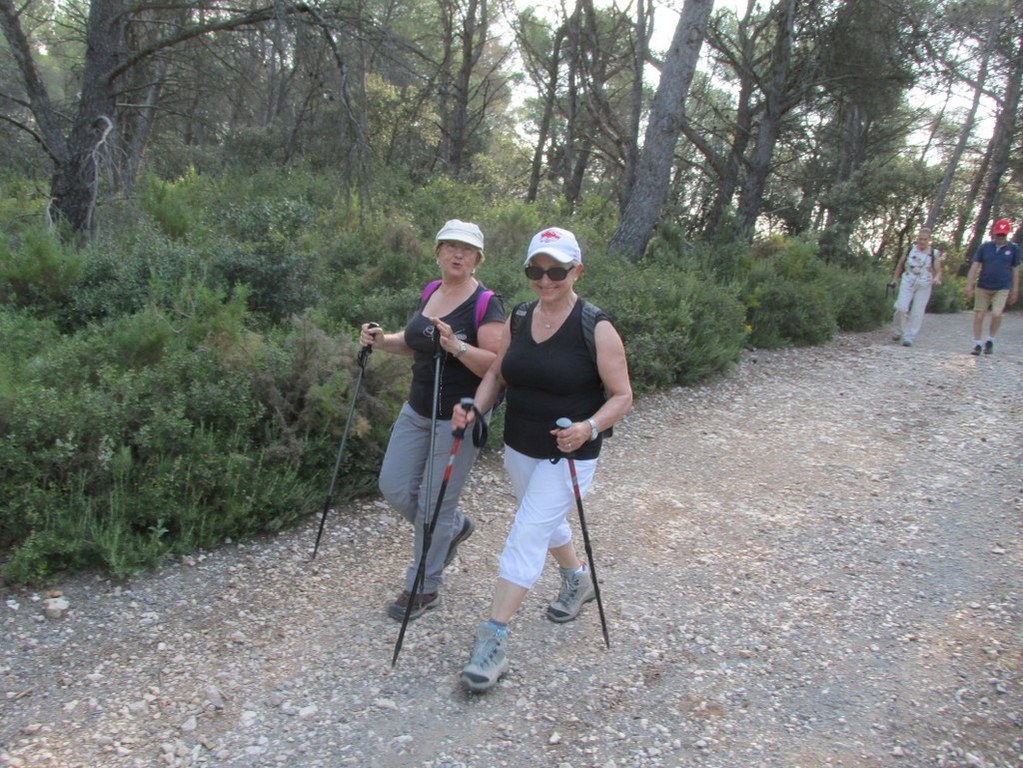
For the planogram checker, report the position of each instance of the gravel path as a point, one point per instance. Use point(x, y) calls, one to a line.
point(812, 561)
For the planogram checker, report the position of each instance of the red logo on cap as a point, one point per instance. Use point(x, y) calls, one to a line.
point(550, 234)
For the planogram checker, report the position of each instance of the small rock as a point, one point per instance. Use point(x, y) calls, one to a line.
point(55, 607)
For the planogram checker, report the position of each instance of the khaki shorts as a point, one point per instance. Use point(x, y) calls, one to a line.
point(990, 301)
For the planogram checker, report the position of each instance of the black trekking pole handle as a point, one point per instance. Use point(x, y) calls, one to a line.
point(417, 584)
point(564, 423)
point(364, 354)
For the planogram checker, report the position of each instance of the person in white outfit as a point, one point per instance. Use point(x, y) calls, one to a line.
point(917, 272)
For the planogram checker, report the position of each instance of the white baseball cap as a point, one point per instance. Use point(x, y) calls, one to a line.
point(559, 244)
point(461, 232)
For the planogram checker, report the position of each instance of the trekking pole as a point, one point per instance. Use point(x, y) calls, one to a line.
point(564, 423)
point(457, 434)
point(364, 354)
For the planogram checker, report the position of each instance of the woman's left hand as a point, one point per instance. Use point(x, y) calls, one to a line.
point(448, 341)
point(572, 438)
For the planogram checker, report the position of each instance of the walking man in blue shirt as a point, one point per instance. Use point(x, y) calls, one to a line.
point(997, 262)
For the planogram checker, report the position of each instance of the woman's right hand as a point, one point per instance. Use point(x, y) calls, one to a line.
point(461, 418)
point(368, 334)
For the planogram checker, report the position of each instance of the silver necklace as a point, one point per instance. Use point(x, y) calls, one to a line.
point(549, 325)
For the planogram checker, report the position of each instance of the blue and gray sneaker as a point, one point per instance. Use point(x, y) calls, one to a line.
point(489, 661)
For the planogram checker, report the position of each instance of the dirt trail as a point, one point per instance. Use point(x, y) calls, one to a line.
point(812, 561)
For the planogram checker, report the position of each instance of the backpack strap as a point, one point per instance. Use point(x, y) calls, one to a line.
point(482, 301)
point(428, 291)
point(590, 313)
point(520, 311)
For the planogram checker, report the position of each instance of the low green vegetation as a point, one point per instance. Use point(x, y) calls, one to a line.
point(183, 380)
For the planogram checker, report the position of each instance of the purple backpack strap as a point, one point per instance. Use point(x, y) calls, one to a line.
point(428, 290)
point(481, 306)
point(482, 302)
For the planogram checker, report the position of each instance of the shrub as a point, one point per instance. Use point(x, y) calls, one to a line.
point(861, 300)
point(37, 271)
point(948, 296)
point(137, 438)
point(121, 277)
point(676, 326)
point(168, 206)
point(789, 296)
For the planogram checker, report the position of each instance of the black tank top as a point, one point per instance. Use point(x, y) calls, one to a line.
point(456, 381)
point(549, 380)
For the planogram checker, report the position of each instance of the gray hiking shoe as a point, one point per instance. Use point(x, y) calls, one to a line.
point(488, 661)
point(576, 590)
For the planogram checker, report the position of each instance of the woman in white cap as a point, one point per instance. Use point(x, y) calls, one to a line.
point(549, 369)
point(461, 321)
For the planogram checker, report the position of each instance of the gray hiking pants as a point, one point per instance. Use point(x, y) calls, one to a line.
point(403, 484)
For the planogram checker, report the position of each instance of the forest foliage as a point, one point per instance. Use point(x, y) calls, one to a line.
point(194, 224)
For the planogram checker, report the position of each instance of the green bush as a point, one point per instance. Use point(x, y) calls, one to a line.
point(790, 296)
point(137, 438)
point(861, 300)
point(948, 296)
point(122, 276)
point(676, 326)
point(37, 271)
point(185, 376)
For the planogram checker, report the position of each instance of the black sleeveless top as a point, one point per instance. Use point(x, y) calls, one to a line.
point(546, 381)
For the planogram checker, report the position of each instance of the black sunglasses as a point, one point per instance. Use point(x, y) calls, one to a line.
point(557, 274)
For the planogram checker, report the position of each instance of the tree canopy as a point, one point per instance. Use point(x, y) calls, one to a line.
point(849, 120)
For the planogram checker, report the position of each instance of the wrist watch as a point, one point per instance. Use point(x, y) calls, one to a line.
point(594, 432)
point(461, 349)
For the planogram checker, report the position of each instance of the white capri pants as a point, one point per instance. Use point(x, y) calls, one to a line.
point(545, 495)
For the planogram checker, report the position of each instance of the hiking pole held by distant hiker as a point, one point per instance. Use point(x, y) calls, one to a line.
point(364, 354)
point(564, 423)
point(457, 434)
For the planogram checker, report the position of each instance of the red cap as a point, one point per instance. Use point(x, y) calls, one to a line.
point(1002, 227)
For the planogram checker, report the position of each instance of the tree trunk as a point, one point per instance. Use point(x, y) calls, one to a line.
point(75, 182)
point(841, 215)
point(953, 162)
point(775, 96)
point(136, 143)
point(636, 99)
point(1005, 127)
point(567, 163)
point(665, 123)
point(731, 167)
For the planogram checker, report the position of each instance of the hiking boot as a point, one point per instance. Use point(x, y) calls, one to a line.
point(468, 526)
point(907, 343)
point(989, 347)
point(977, 349)
point(576, 590)
point(423, 603)
point(488, 661)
